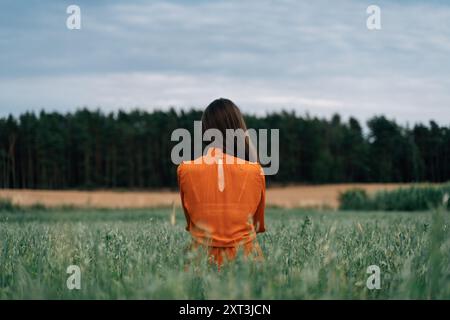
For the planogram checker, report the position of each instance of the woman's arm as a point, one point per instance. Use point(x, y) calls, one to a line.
point(180, 186)
point(258, 218)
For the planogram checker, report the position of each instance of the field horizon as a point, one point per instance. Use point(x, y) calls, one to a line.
point(323, 196)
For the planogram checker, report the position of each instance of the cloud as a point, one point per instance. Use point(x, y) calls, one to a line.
point(307, 56)
point(150, 90)
point(345, 95)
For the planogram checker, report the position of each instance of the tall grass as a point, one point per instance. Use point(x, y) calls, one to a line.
point(415, 198)
point(7, 205)
point(142, 254)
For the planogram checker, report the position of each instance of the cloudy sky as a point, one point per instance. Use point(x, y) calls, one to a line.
point(309, 56)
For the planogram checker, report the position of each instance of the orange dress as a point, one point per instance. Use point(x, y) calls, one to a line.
point(223, 200)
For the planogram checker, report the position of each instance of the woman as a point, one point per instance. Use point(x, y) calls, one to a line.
point(223, 195)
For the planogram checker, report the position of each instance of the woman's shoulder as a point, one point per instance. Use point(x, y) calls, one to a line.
point(188, 165)
point(199, 165)
point(253, 167)
point(182, 167)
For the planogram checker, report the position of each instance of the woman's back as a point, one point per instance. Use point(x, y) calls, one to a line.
point(223, 199)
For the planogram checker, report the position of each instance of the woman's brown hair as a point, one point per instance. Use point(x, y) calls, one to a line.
point(223, 114)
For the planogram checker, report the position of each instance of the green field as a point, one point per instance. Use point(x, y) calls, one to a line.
point(140, 254)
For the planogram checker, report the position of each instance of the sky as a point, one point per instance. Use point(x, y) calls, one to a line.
point(313, 57)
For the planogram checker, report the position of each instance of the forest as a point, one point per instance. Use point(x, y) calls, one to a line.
point(91, 149)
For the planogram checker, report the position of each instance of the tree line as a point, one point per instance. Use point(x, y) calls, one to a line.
point(91, 149)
